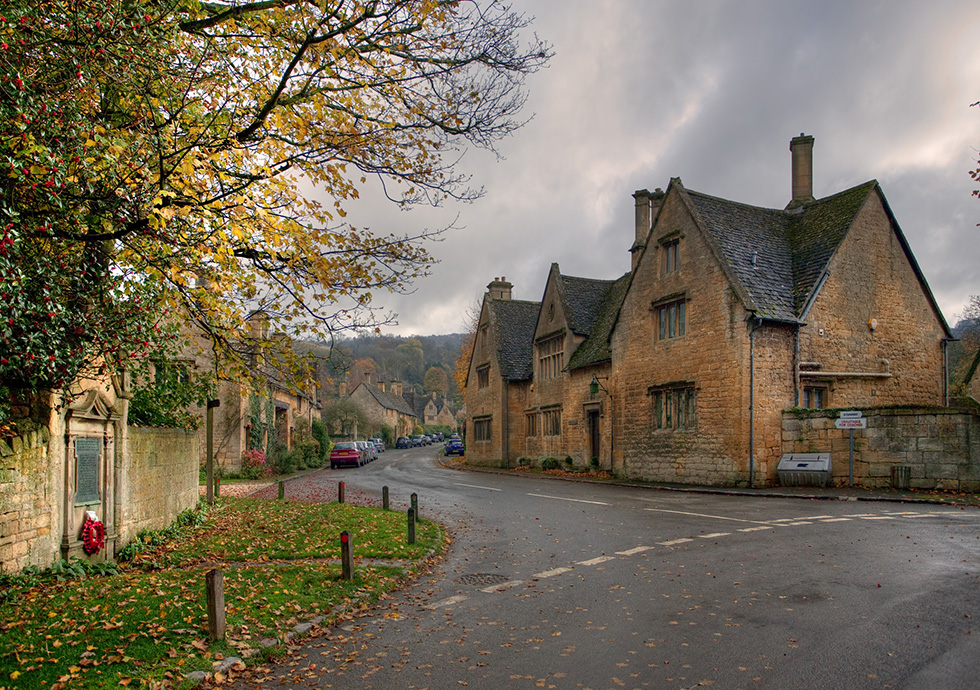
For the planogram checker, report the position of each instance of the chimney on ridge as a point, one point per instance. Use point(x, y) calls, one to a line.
point(647, 205)
point(802, 150)
point(499, 288)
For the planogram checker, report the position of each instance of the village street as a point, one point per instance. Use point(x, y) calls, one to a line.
point(569, 585)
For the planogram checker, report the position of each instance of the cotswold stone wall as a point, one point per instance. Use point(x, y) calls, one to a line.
point(940, 445)
point(27, 505)
point(162, 479)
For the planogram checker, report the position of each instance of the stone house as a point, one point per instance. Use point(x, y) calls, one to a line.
point(383, 404)
point(729, 315)
point(432, 409)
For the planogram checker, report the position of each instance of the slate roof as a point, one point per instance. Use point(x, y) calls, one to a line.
point(595, 349)
point(791, 249)
point(512, 323)
point(582, 300)
point(389, 401)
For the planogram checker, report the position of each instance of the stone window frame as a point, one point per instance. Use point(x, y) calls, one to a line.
point(531, 424)
point(483, 376)
point(551, 421)
point(483, 429)
point(673, 406)
point(551, 356)
point(672, 255)
point(671, 316)
point(822, 389)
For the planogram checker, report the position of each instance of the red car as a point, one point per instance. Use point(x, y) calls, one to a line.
point(346, 453)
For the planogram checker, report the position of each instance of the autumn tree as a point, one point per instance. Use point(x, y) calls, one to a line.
point(436, 379)
point(160, 156)
point(345, 417)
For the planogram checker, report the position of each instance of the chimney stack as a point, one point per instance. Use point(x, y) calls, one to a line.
point(647, 206)
point(499, 288)
point(802, 150)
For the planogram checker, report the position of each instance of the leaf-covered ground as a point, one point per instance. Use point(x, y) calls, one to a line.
point(148, 624)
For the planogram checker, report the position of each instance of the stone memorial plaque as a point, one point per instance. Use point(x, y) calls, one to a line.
point(87, 452)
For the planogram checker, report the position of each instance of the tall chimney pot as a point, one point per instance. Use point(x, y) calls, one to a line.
point(801, 148)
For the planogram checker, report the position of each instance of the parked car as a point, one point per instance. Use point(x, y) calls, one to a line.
point(454, 447)
point(379, 444)
point(438, 437)
point(370, 452)
point(418, 440)
point(403, 442)
point(346, 453)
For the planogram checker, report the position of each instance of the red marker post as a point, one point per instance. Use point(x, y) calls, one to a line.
point(346, 557)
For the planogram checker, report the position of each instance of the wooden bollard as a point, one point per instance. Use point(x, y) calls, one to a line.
point(346, 557)
point(411, 525)
point(282, 489)
point(215, 587)
point(415, 504)
point(384, 498)
point(340, 492)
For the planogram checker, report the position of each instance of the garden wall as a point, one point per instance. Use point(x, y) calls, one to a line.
point(29, 529)
point(940, 446)
point(162, 480)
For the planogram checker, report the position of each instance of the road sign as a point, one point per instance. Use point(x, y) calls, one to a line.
point(851, 423)
point(850, 414)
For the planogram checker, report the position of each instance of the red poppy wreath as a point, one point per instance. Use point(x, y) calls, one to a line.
point(93, 536)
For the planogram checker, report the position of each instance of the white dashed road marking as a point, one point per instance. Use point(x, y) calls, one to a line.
point(674, 541)
point(837, 520)
point(712, 536)
point(756, 529)
point(553, 572)
point(634, 550)
point(474, 486)
point(715, 517)
point(596, 561)
point(449, 601)
point(502, 586)
point(576, 500)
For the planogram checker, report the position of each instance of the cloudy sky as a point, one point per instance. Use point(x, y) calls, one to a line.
point(712, 91)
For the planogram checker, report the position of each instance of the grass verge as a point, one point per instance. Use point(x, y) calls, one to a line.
point(148, 624)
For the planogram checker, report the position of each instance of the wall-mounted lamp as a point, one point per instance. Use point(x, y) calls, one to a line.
point(594, 386)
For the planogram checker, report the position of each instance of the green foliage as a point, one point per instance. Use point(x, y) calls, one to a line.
point(387, 435)
point(146, 540)
point(550, 464)
point(254, 465)
point(283, 460)
point(164, 395)
point(319, 432)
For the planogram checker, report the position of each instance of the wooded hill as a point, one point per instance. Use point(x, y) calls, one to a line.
point(422, 362)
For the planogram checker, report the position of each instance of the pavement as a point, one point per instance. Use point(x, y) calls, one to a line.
point(813, 493)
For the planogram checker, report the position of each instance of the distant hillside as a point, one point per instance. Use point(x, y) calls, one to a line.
point(406, 359)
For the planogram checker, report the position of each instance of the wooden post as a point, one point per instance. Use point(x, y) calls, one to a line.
point(215, 586)
point(411, 525)
point(209, 458)
point(346, 557)
point(384, 498)
point(340, 492)
point(282, 489)
point(415, 504)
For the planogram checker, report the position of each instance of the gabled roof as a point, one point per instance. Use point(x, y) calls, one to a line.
point(777, 259)
point(512, 324)
point(389, 401)
point(595, 349)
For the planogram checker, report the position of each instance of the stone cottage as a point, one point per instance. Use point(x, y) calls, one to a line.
point(729, 315)
point(383, 404)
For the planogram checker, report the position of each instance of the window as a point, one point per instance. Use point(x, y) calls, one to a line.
point(484, 335)
point(551, 357)
point(482, 429)
point(552, 422)
point(672, 319)
point(671, 255)
point(531, 424)
point(674, 407)
point(815, 397)
point(483, 376)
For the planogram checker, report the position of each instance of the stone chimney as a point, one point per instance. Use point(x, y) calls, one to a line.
point(381, 386)
point(802, 150)
point(499, 288)
point(396, 387)
point(647, 205)
point(367, 378)
point(342, 389)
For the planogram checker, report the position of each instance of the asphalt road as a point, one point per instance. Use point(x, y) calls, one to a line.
point(565, 585)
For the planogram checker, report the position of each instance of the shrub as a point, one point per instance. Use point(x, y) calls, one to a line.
point(284, 461)
point(550, 464)
point(309, 452)
point(319, 431)
point(254, 465)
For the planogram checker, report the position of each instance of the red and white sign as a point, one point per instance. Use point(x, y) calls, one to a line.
point(861, 423)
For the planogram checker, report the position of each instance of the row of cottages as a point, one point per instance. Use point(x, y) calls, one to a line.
point(433, 409)
point(256, 415)
point(730, 314)
point(383, 404)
